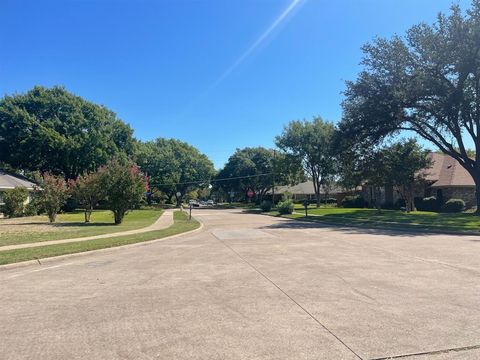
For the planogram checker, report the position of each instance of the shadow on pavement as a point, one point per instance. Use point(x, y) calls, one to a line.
point(362, 229)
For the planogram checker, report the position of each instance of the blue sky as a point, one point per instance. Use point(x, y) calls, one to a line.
point(220, 75)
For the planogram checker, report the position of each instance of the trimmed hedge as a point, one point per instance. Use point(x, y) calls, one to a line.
point(353, 202)
point(454, 206)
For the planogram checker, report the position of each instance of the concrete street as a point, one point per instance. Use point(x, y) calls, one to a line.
point(251, 287)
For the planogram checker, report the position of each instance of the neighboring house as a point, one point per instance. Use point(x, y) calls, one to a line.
point(449, 180)
point(445, 180)
point(305, 190)
point(9, 181)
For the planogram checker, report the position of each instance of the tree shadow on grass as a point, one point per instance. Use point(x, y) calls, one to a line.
point(65, 224)
point(354, 225)
point(83, 224)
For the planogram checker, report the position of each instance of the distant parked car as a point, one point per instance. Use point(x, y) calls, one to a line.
point(193, 203)
point(210, 203)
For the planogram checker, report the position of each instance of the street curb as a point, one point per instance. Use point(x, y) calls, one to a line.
point(47, 260)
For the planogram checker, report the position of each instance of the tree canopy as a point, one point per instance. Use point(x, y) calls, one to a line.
point(50, 129)
point(312, 143)
point(427, 82)
point(173, 166)
point(256, 169)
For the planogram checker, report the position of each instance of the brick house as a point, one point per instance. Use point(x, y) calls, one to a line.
point(449, 180)
point(445, 180)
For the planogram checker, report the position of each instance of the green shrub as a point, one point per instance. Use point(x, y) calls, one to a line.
point(14, 202)
point(285, 207)
point(266, 206)
point(356, 201)
point(32, 209)
point(429, 204)
point(454, 206)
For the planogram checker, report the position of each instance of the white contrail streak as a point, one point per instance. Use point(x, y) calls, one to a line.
point(258, 42)
point(261, 39)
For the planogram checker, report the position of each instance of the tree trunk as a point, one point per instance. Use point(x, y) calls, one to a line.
point(88, 214)
point(319, 200)
point(377, 198)
point(178, 200)
point(477, 194)
point(316, 188)
point(118, 216)
point(52, 216)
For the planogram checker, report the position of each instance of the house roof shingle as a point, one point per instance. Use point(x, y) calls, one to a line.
point(10, 181)
point(447, 172)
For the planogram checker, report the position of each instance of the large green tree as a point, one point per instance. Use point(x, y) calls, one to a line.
point(427, 82)
point(402, 164)
point(173, 166)
point(257, 169)
point(50, 129)
point(312, 143)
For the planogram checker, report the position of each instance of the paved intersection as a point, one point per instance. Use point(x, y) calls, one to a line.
point(251, 287)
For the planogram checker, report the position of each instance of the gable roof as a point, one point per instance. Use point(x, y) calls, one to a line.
point(447, 172)
point(10, 181)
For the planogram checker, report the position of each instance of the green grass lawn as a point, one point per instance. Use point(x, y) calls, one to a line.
point(391, 218)
point(181, 224)
point(71, 225)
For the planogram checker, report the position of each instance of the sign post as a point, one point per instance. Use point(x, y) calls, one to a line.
point(305, 203)
point(250, 194)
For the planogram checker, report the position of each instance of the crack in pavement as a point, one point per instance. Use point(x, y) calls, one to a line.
point(288, 296)
point(433, 352)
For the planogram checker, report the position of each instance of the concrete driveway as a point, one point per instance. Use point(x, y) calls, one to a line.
point(251, 287)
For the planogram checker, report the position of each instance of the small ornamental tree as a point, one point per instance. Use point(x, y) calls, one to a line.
point(52, 195)
point(88, 191)
point(124, 187)
point(407, 165)
point(14, 201)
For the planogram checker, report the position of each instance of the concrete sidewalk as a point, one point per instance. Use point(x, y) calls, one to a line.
point(164, 221)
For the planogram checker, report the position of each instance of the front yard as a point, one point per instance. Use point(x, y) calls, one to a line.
point(70, 225)
point(390, 218)
point(181, 225)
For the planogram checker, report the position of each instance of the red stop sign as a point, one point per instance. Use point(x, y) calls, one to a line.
point(250, 193)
